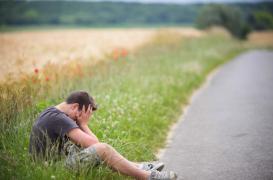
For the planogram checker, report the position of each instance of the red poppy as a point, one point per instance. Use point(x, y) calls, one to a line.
point(47, 78)
point(36, 70)
point(124, 52)
point(115, 54)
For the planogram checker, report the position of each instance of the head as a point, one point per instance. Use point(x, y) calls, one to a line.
point(78, 100)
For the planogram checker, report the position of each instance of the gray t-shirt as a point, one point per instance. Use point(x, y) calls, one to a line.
point(49, 132)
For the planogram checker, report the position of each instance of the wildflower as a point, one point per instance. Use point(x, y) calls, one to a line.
point(36, 70)
point(34, 80)
point(115, 54)
point(124, 52)
point(47, 78)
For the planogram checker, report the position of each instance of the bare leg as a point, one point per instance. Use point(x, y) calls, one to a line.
point(116, 161)
point(137, 164)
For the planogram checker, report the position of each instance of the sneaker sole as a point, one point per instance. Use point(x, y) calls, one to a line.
point(158, 167)
point(173, 175)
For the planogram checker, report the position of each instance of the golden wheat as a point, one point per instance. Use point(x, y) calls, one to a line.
point(23, 51)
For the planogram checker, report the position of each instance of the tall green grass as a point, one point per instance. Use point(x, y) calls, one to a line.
point(139, 97)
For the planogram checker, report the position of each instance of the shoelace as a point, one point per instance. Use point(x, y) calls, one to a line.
point(150, 166)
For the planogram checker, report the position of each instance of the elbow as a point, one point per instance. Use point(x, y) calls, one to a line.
point(89, 142)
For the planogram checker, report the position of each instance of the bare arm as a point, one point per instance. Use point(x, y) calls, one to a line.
point(83, 120)
point(81, 138)
point(86, 129)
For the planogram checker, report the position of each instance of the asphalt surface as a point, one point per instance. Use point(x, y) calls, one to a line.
point(227, 132)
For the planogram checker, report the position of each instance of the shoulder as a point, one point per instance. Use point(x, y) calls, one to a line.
point(50, 112)
point(62, 117)
point(52, 115)
point(62, 123)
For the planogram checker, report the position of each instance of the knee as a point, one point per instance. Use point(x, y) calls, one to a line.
point(102, 147)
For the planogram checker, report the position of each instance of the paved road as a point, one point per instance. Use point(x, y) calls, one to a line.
point(227, 132)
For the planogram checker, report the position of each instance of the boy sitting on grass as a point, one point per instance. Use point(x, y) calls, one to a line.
point(67, 122)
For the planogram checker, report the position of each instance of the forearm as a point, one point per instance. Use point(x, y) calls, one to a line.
point(86, 129)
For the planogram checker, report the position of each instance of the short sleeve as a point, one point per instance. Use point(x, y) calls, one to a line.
point(64, 124)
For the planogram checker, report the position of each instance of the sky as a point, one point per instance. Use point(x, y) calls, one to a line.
point(183, 1)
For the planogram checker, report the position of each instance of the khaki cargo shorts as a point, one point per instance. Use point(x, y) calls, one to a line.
point(79, 158)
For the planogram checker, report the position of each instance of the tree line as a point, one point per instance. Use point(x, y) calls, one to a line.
point(239, 18)
point(93, 13)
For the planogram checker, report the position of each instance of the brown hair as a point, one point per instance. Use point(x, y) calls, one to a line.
point(82, 98)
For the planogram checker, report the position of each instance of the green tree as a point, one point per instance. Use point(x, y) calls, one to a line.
point(31, 16)
point(222, 15)
point(261, 20)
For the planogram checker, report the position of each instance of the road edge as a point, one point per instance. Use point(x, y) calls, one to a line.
point(160, 152)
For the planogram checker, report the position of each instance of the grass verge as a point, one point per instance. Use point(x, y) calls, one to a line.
point(140, 96)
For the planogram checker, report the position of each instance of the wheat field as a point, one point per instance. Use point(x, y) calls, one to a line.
point(261, 38)
point(26, 50)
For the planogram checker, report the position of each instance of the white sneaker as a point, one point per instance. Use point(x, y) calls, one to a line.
point(164, 175)
point(149, 166)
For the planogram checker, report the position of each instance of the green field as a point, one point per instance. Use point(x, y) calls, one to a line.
point(140, 96)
